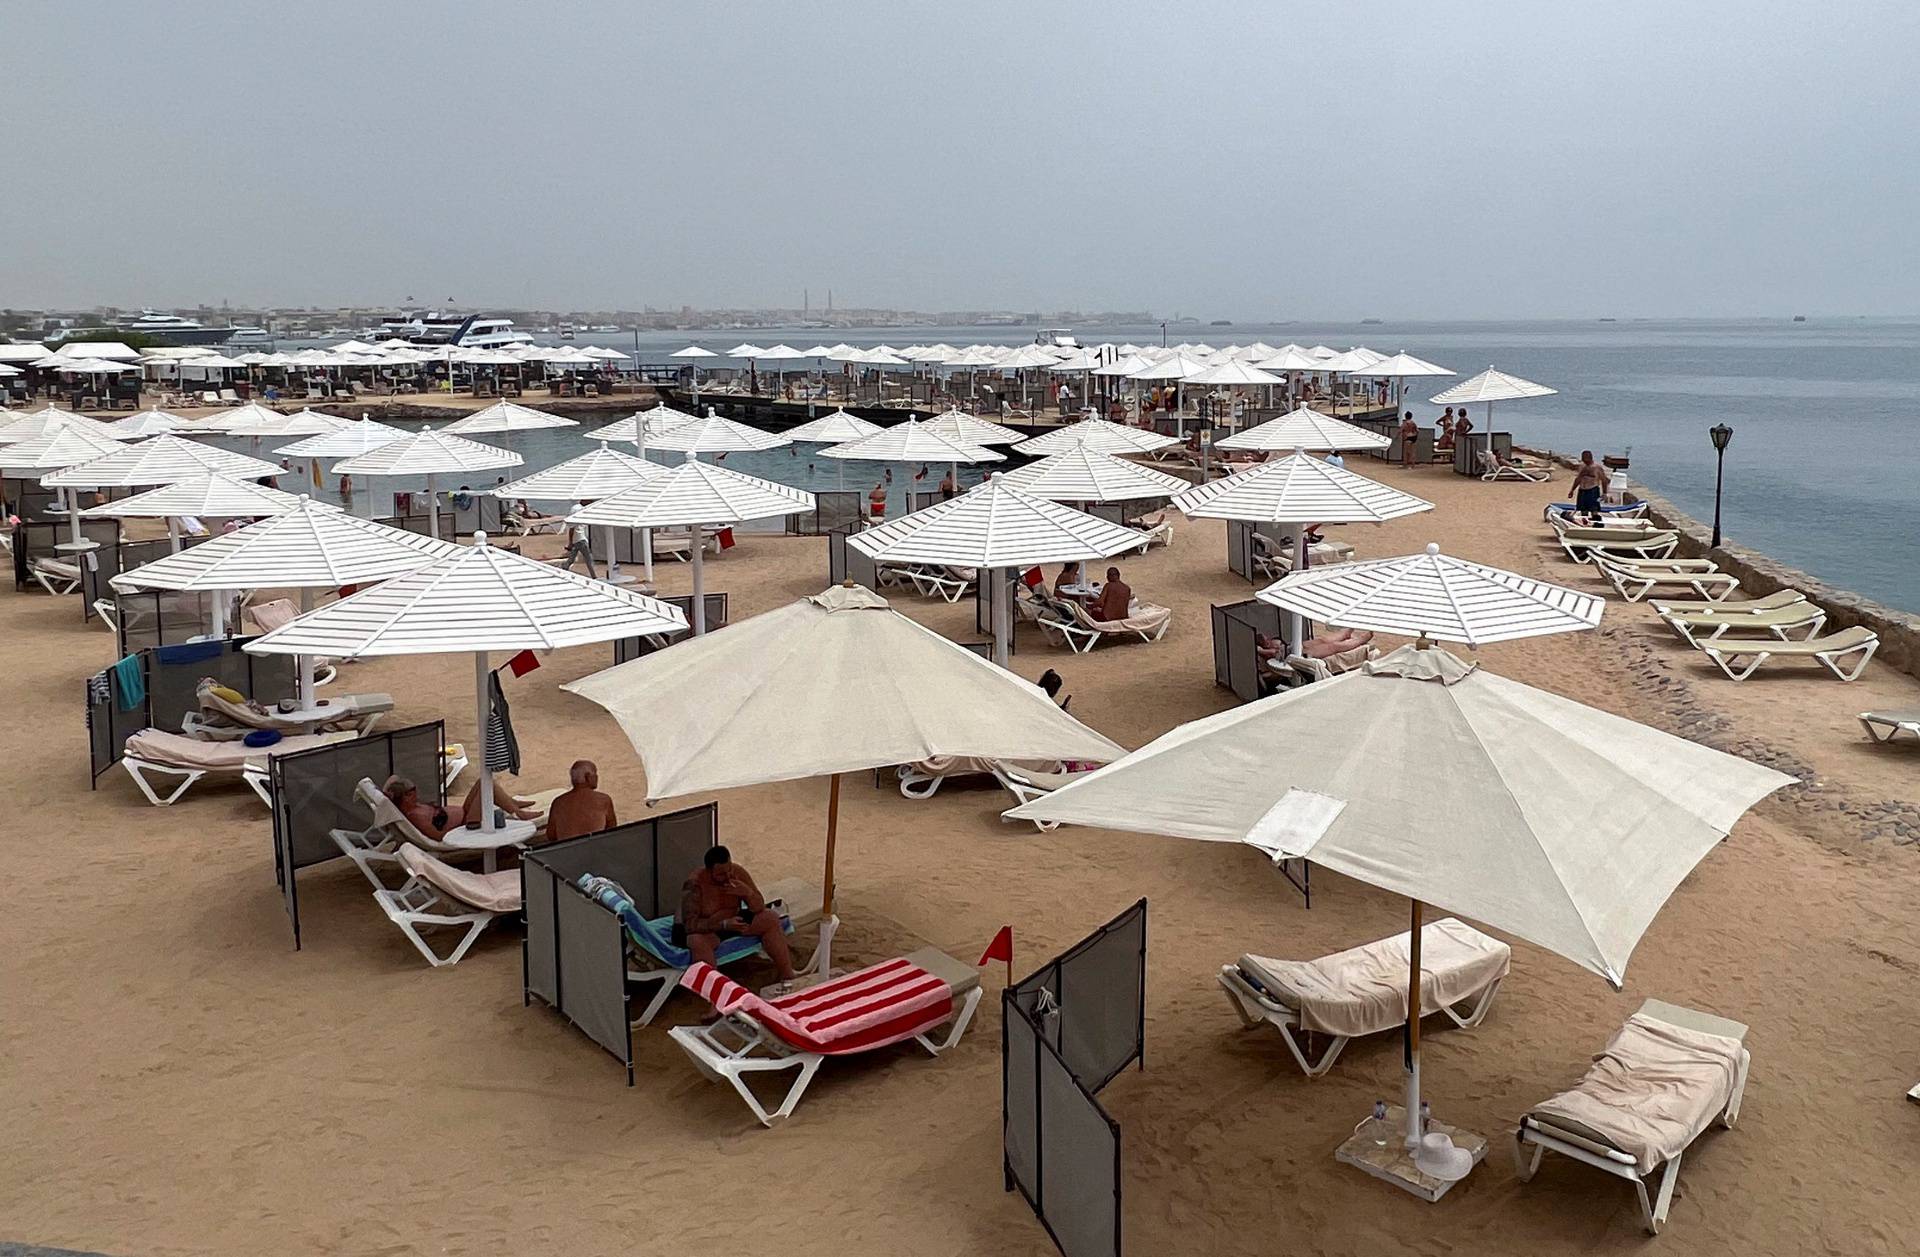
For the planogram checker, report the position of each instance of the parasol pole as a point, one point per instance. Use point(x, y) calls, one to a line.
point(699, 585)
point(823, 955)
point(483, 710)
point(305, 662)
point(1413, 1033)
point(173, 534)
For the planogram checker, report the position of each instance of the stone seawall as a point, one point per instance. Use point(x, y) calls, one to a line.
point(1761, 574)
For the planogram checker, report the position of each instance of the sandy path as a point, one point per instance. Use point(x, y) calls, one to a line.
point(182, 1081)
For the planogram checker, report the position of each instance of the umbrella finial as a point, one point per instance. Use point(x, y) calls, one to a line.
point(1433, 547)
point(480, 537)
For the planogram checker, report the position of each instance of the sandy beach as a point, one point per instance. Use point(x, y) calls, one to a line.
point(184, 1081)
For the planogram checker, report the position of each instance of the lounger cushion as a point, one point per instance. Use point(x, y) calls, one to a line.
point(176, 750)
point(869, 1008)
point(1654, 1088)
point(489, 892)
point(1846, 639)
point(1363, 990)
point(1144, 618)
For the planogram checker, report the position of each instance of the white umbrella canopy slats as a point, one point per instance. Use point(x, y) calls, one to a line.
point(600, 473)
point(694, 493)
point(158, 460)
point(1304, 429)
point(836, 428)
point(912, 442)
point(209, 495)
point(959, 426)
point(59, 445)
point(252, 419)
point(478, 598)
point(715, 435)
point(1492, 386)
point(507, 417)
point(427, 453)
point(647, 423)
point(312, 546)
point(154, 422)
point(1084, 475)
point(1435, 596)
point(351, 439)
point(1298, 489)
point(1100, 435)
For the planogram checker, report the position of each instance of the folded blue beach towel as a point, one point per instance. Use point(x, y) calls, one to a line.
point(189, 652)
point(656, 936)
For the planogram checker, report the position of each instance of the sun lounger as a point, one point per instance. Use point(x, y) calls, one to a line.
point(1845, 654)
point(1493, 467)
point(1772, 602)
point(950, 583)
point(1581, 544)
point(1893, 722)
point(653, 956)
point(1027, 783)
point(1144, 620)
point(1156, 534)
point(1634, 582)
point(1701, 627)
point(155, 751)
point(679, 545)
point(523, 527)
point(1331, 666)
point(1616, 510)
point(923, 779)
point(220, 719)
point(56, 576)
point(1363, 990)
point(1664, 1077)
point(871, 1008)
point(380, 843)
point(437, 895)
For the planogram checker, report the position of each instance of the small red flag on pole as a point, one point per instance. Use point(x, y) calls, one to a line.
point(524, 662)
point(1001, 948)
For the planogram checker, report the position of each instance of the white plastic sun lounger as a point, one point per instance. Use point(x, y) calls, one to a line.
point(379, 845)
point(56, 576)
point(908, 998)
point(1026, 784)
point(1582, 544)
point(1144, 620)
point(1894, 723)
point(1493, 468)
point(950, 583)
point(1634, 582)
point(155, 752)
point(222, 720)
point(1694, 1056)
point(1771, 602)
point(1845, 654)
point(1363, 990)
point(437, 895)
point(1701, 627)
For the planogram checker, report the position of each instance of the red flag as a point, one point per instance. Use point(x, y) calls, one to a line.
point(1001, 948)
point(524, 662)
point(346, 591)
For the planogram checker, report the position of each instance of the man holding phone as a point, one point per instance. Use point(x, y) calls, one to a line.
point(720, 901)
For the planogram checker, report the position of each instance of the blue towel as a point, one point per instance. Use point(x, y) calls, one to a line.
point(130, 682)
point(190, 652)
point(656, 936)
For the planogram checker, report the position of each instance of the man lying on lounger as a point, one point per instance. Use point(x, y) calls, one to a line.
point(438, 822)
point(1334, 642)
point(720, 901)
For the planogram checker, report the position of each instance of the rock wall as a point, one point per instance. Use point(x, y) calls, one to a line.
point(1760, 575)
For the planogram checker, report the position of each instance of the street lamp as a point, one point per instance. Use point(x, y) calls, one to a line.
point(1721, 435)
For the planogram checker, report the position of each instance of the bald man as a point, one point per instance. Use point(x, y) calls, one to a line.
point(582, 809)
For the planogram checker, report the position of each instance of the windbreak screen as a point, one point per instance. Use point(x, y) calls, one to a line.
point(174, 674)
point(481, 512)
point(1079, 1166)
point(108, 724)
point(41, 539)
point(844, 563)
point(833, 509)
point(163, 617)
point(1236, 657)
point(626, 648)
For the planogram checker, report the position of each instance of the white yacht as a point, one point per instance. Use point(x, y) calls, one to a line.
point(247, 337)
point(435, 328)
point(174, 328)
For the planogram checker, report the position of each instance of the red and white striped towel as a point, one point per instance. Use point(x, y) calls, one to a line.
point(871, 1008)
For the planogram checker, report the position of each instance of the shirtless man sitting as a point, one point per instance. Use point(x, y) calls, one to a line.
point(582, 809)
point(718, 901)
point(1116, 596)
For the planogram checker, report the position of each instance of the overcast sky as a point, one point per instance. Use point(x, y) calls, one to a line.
point(1338, 160)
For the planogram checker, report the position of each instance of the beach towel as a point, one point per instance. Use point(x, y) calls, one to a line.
point(490, 892)
point(1653, 1089)
point(655, 936)
point(503, 748)
point(190, 652)
point(130, 680)
point(1363, 990)
point(866, 1009)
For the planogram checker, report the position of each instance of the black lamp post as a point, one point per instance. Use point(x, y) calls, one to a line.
point(1721, 435)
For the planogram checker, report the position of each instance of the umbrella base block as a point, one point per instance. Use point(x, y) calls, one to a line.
point(1394, 1164)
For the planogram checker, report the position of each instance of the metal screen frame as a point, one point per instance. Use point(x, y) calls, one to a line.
point(626, 649)
point(1236, 661)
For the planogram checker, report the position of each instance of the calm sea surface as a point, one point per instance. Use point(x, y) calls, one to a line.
point(1821, 472)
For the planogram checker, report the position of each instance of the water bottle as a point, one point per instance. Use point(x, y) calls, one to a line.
point(1426, 1116)
point(1380, 1123)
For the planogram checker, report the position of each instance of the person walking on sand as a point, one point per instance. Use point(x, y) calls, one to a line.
point(1409, 437)
point(1590, 481)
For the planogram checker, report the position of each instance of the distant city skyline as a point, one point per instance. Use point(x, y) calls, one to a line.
point(1509, 160)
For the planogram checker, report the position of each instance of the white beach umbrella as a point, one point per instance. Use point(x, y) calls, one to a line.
point(1299, 489)
point(767, 701)
point(599, 473)
point(715, 435)
point(1400, 368)
point(695, 496)
point(95, 366)
point(18, 428)
point(208, 495)
point(151, 422)
point(157, 460)
point(913, 442)
point(642, 426)
point(6, 371)
point(694, 353)
point(1491, 386)
point(1085, 475)
point(1289, 358)
point(959, 426)
point(1435, 596)
point(507, 417)
point(605, 353)
point(1552, 821)
point(1304, 429)
point(1355, 359)
point(781, 353)
point(1100, 435)
point(60, 445)
point(836, 428)
point(428, 453)
point(1176, 369)
point(353, 437)
point(477, 598)
point(995, 526)
point(304, 422)
point(248, 420)
point(1234, 373)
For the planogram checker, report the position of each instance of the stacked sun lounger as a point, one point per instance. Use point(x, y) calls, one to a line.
point(1741, 637)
